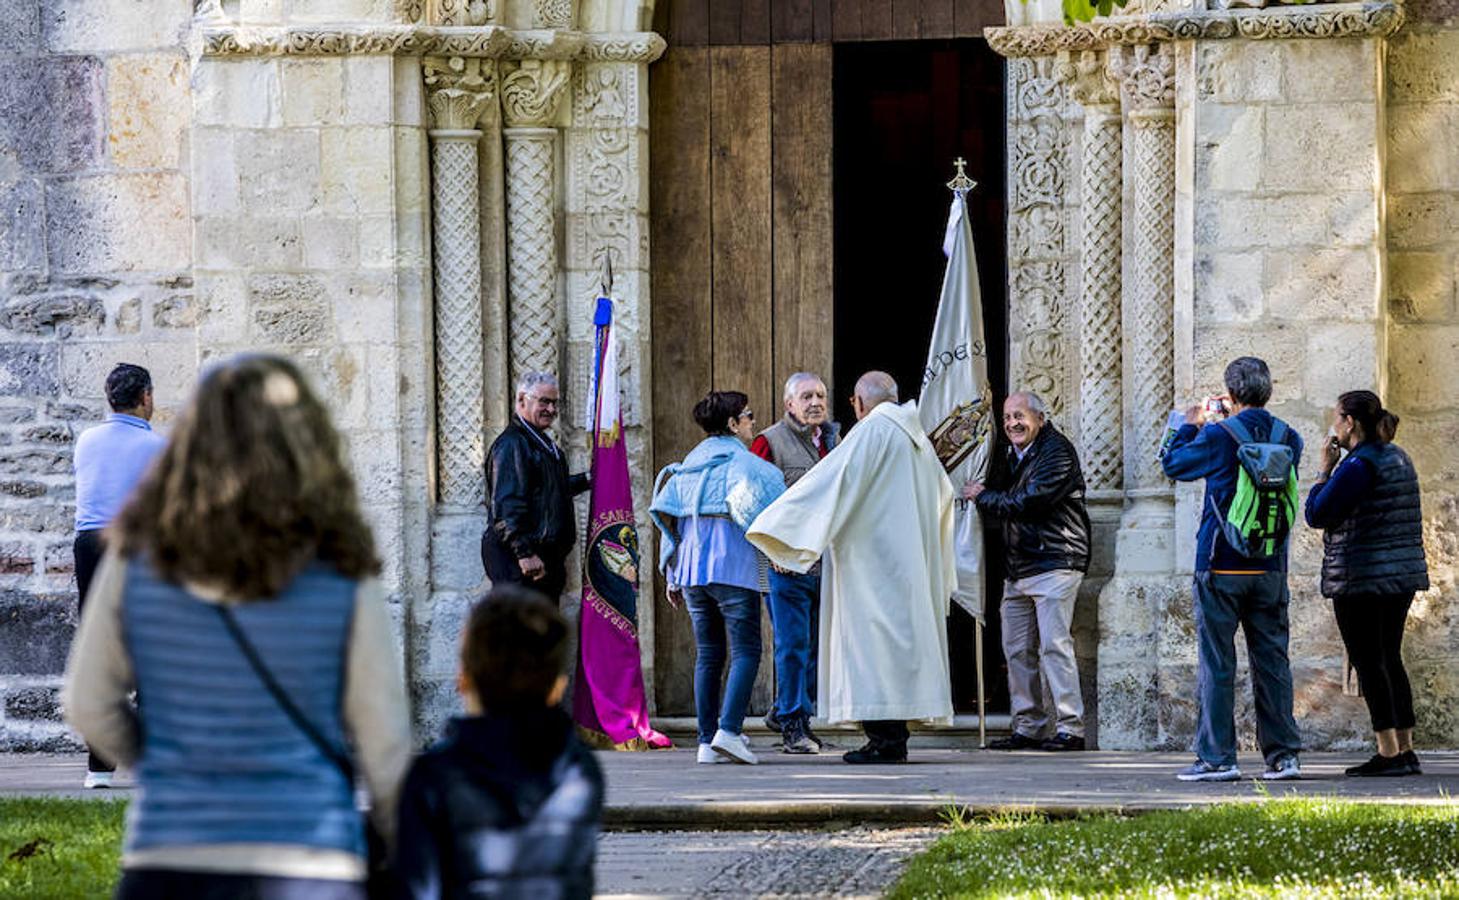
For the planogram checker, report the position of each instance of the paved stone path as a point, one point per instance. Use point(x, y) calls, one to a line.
point(660, 789)
point(854, 862)
point(813, 826)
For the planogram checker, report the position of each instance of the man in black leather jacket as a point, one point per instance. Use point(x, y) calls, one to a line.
point(509, 803)
point(531, 527)
point(1046, 534)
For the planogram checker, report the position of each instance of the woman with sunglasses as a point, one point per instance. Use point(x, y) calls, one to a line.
point(1372, 564)
point(702, 506)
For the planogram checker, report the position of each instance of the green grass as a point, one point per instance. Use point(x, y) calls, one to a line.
point(1299, 848)
point(81, 858)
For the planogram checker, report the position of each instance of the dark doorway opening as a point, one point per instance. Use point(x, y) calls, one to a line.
point(903, 112)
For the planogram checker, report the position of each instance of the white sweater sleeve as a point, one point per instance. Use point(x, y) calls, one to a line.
point(375, 708)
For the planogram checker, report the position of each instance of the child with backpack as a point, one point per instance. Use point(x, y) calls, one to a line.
point(509, 803)
point(1249, 462)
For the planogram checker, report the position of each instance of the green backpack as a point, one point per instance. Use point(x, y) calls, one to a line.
point(1264, 506)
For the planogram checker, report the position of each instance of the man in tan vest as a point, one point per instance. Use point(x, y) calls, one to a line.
point(797, 442)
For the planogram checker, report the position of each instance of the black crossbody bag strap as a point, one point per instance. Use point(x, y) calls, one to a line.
point(331, 752)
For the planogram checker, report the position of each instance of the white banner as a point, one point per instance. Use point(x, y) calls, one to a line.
point(956, 405)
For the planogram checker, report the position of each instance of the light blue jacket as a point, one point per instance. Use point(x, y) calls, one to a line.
point(719, 477)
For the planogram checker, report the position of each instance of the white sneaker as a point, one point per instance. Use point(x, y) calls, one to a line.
point(733, 747)
point(707, 756)
point(97, 780)
point(1285, 769)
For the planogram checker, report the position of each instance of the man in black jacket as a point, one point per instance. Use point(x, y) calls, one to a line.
point(530, 527)
point(1046, 533)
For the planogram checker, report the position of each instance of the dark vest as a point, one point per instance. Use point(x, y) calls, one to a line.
point(1379, 549)
point(793, 450)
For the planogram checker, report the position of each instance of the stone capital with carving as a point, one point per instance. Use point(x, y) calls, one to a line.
point(532, 91)
point(1147, 75)
point(1088, 78)
point(1375, 18)
point(460, 92)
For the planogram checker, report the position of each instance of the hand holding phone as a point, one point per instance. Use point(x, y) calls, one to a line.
point(1331, 453)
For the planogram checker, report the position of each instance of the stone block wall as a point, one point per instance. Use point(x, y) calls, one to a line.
point(1279, 258)
point(1423, 340)
point(1286, 260)
point(312, 204)
point(95, 269)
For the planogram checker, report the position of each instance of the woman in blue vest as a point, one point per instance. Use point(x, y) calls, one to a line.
point(702, 507)
point(239, 600)
point(1372, 565)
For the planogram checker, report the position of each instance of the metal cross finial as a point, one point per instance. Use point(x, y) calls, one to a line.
point(961, 182)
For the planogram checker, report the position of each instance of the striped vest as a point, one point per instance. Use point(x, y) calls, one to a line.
point(221, 762)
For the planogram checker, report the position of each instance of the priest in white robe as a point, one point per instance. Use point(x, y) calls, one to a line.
point(879, 511)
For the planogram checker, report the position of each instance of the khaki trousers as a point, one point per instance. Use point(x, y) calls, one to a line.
point(1037, 612)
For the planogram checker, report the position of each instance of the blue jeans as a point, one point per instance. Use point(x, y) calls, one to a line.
point(795, 611)
point(1258, 603)
point(723, 615)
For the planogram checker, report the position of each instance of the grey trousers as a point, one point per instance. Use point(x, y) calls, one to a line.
point(1037, 612)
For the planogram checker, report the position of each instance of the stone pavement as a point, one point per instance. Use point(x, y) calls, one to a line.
point(852, 862)
point(813, 826)
point(666, 789)
point(661, 789)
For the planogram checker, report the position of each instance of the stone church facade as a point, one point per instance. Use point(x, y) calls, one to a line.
point(416, 199)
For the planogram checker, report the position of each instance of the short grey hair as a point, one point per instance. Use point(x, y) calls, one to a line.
point(529, 380)
point(1249, 381)
point(1034, 402)
point(797, 378)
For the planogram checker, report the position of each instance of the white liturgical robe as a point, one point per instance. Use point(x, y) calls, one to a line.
point(879, 511)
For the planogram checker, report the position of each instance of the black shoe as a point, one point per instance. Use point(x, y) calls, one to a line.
point(1412, 762)
point(873, 753)
point(1062, 741)
point(815, 738)
point(1014, 741)
point(795, 738)
point(772, 721)
point(1381, 766)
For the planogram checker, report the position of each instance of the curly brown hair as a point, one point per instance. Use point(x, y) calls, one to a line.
point(251, 488)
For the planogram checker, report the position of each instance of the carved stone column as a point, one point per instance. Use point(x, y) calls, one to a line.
point(459, 12)
point(459, 91)
point(1037, 181)
point(1138, 600)
point(556, 14)
point(531, 93)
point(1100, 249)
point(1148, 78)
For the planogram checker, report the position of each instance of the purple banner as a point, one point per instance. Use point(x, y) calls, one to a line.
point(609, 704)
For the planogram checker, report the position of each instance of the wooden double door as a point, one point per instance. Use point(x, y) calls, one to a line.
point(797, 161)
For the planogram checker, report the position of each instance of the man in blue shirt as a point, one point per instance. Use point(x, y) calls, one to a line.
point(1231, 590)
point(109, 461)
